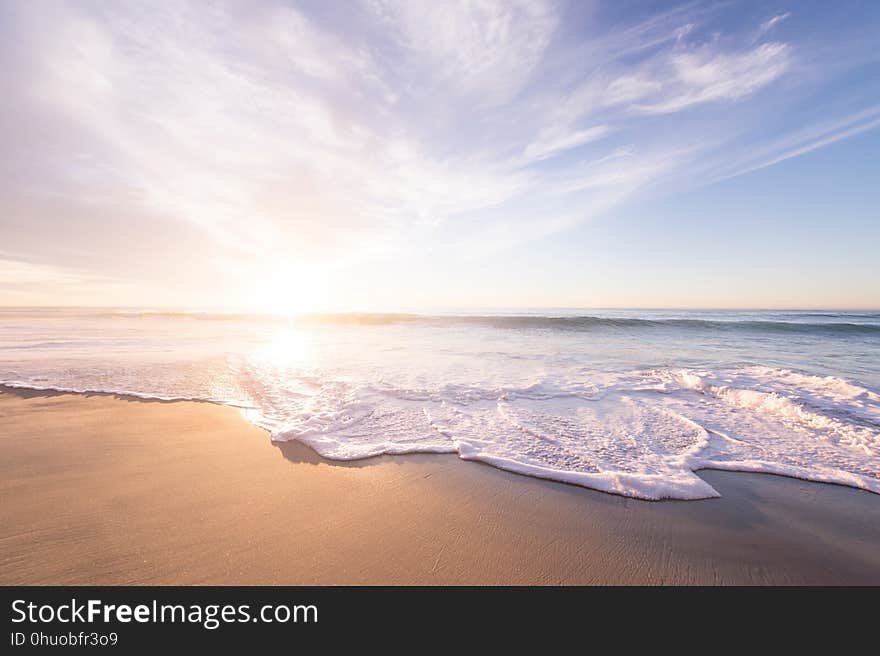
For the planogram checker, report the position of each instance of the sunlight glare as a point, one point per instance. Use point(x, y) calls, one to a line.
point(287, 347)
point(286, 291)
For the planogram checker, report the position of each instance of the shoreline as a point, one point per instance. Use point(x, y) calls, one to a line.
point(30, 391)
point(103, 488)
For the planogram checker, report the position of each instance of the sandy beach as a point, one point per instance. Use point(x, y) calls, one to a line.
point(102, 489)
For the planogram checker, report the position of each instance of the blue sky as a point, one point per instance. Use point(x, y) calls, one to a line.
point(292, 156)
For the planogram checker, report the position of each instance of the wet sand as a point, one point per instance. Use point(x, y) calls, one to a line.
point(102, 489)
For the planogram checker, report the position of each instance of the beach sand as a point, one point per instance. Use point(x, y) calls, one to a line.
point(100, 489)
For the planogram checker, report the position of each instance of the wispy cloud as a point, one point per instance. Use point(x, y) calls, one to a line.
point(281, 134)
point(34, 282)
point(553, 141)
point(485, 51)
point(799, 143)
point(703, 76)
point(771, 23)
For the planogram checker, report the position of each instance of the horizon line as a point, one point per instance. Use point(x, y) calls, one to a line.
point(421, 309)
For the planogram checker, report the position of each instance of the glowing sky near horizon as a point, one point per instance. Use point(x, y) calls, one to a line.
point(379, 155)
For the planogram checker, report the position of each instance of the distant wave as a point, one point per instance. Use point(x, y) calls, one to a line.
point(835, 315)
point(592, 322)
point(798, 323)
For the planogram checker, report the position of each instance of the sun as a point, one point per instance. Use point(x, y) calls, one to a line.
point(286, 291)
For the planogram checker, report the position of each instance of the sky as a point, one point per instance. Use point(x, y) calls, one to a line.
point(373, 155)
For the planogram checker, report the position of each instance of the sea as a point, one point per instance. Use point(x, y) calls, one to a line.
point(630, 402)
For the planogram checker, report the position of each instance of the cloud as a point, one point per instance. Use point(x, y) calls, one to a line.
point(770, 23)
point(799, 143)
point(551, 142)
point(198, 124)
point(16, 272)
point(703, 76)
point(488, 48)
point(268, 133)
point(19, 279)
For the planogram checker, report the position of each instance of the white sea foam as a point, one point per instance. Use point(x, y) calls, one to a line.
point(640, 434)
point(547, 402)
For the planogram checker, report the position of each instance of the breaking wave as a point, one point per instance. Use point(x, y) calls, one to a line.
point(633, 404)
point(823, 323)
point(641, 434)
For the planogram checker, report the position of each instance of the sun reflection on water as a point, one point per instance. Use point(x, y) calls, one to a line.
point(286, 347)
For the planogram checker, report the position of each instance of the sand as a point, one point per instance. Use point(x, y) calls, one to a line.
point(101, 489)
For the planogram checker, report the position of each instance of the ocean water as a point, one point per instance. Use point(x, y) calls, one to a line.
point(629, 402)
